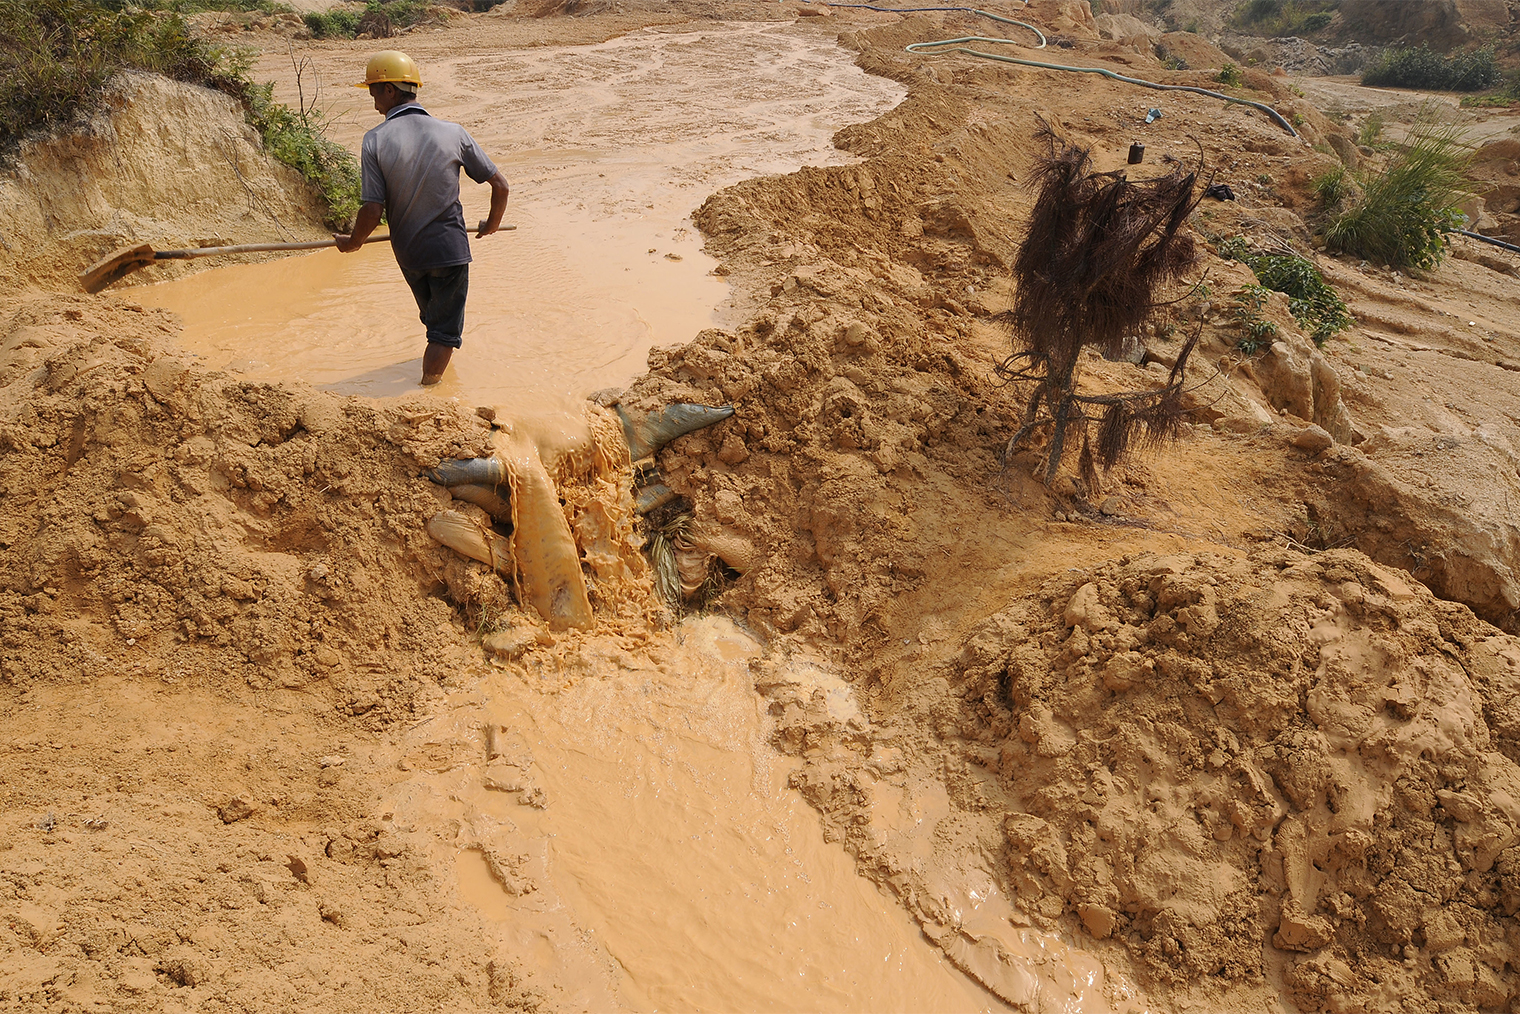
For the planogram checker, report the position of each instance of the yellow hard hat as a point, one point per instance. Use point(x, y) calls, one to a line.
point(391, 65)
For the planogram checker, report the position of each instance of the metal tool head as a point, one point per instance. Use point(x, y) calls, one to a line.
point(117, 264)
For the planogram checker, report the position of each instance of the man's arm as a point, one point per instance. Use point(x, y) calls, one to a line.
point(365, 222)
point(498, 205)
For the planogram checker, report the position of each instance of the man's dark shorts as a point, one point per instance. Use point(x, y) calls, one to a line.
point(440, 296)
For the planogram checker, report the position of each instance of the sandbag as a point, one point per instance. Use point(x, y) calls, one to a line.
point(467, 538)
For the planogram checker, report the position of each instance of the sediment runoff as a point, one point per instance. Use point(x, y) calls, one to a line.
point(292, 725)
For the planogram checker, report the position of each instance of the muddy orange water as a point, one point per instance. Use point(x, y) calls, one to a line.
point(608, 148)
point(635, 836)
point(670, 867)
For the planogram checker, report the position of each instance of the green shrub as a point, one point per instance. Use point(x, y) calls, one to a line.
point(1256, 332)
point(1230, 75)
point(1283, 17)
point(199, 6)
point(404, 13)
point(380, 17)
point(1407, 209)
point(1314, 304)
point(1503, 97)
point(56, 54)
point(1332, 187)
point(297, 138)
point(337, 24)
point(1419, 67)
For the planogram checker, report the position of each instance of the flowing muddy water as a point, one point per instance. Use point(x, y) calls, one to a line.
point(668, 868)
point(608, 148)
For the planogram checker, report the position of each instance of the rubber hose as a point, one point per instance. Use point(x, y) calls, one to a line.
point(922, 48)
point(1489, 239)
point(480, 471)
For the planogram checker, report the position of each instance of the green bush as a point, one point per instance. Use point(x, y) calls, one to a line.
point(1421, 68)
point(1332, 187)
point(56, 54)
point(1230, 75)
point(332, 24)
point(1283, 17)
point(296, 138)
point(1503, 97)
point(199, 6)
point(1314, 304)
point(1407, 209)
point(379, 17)
point(1256, 332)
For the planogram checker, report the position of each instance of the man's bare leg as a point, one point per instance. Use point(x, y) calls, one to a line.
point(434, 361)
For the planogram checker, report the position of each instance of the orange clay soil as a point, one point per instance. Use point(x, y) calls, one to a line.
point(1240, 727)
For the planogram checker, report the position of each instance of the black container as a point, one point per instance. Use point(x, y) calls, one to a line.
point(1136, 153)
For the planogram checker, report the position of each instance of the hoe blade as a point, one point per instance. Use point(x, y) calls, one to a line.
point(116, 264)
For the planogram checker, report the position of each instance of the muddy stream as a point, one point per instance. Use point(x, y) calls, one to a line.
point(633, 834)
point(608, 149)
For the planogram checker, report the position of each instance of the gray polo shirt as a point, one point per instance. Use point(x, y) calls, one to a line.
point(411, 164)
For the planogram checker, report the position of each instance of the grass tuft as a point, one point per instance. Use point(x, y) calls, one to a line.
point(1371, 132)
point(1407, 210)
point(1332, 187)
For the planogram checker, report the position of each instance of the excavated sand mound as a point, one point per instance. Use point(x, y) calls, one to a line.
point(147, 499)
point(1308, 750)
point(1290, 770)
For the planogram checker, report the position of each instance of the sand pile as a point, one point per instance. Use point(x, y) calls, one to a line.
point(1237, 769)
point(149, 502)
point(1283, 770)
point(219, 600)
point(212, 593)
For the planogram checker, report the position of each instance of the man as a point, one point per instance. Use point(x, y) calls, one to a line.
point(410, 165)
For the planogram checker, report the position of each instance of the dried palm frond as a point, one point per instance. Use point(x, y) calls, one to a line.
point(1096, 249)
point(667, 575)
point(687, 575)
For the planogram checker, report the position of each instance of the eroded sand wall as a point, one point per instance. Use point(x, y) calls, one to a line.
point(159, 162)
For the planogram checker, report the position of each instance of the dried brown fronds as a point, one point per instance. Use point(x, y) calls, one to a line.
point(1097, 248)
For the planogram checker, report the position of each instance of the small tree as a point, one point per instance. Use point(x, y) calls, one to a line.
point(1096, 248)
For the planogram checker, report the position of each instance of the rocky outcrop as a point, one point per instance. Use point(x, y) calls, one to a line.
point(1439, 24)
point(1295, 377)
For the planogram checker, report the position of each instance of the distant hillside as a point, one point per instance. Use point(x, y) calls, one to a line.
point(1441, 24)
